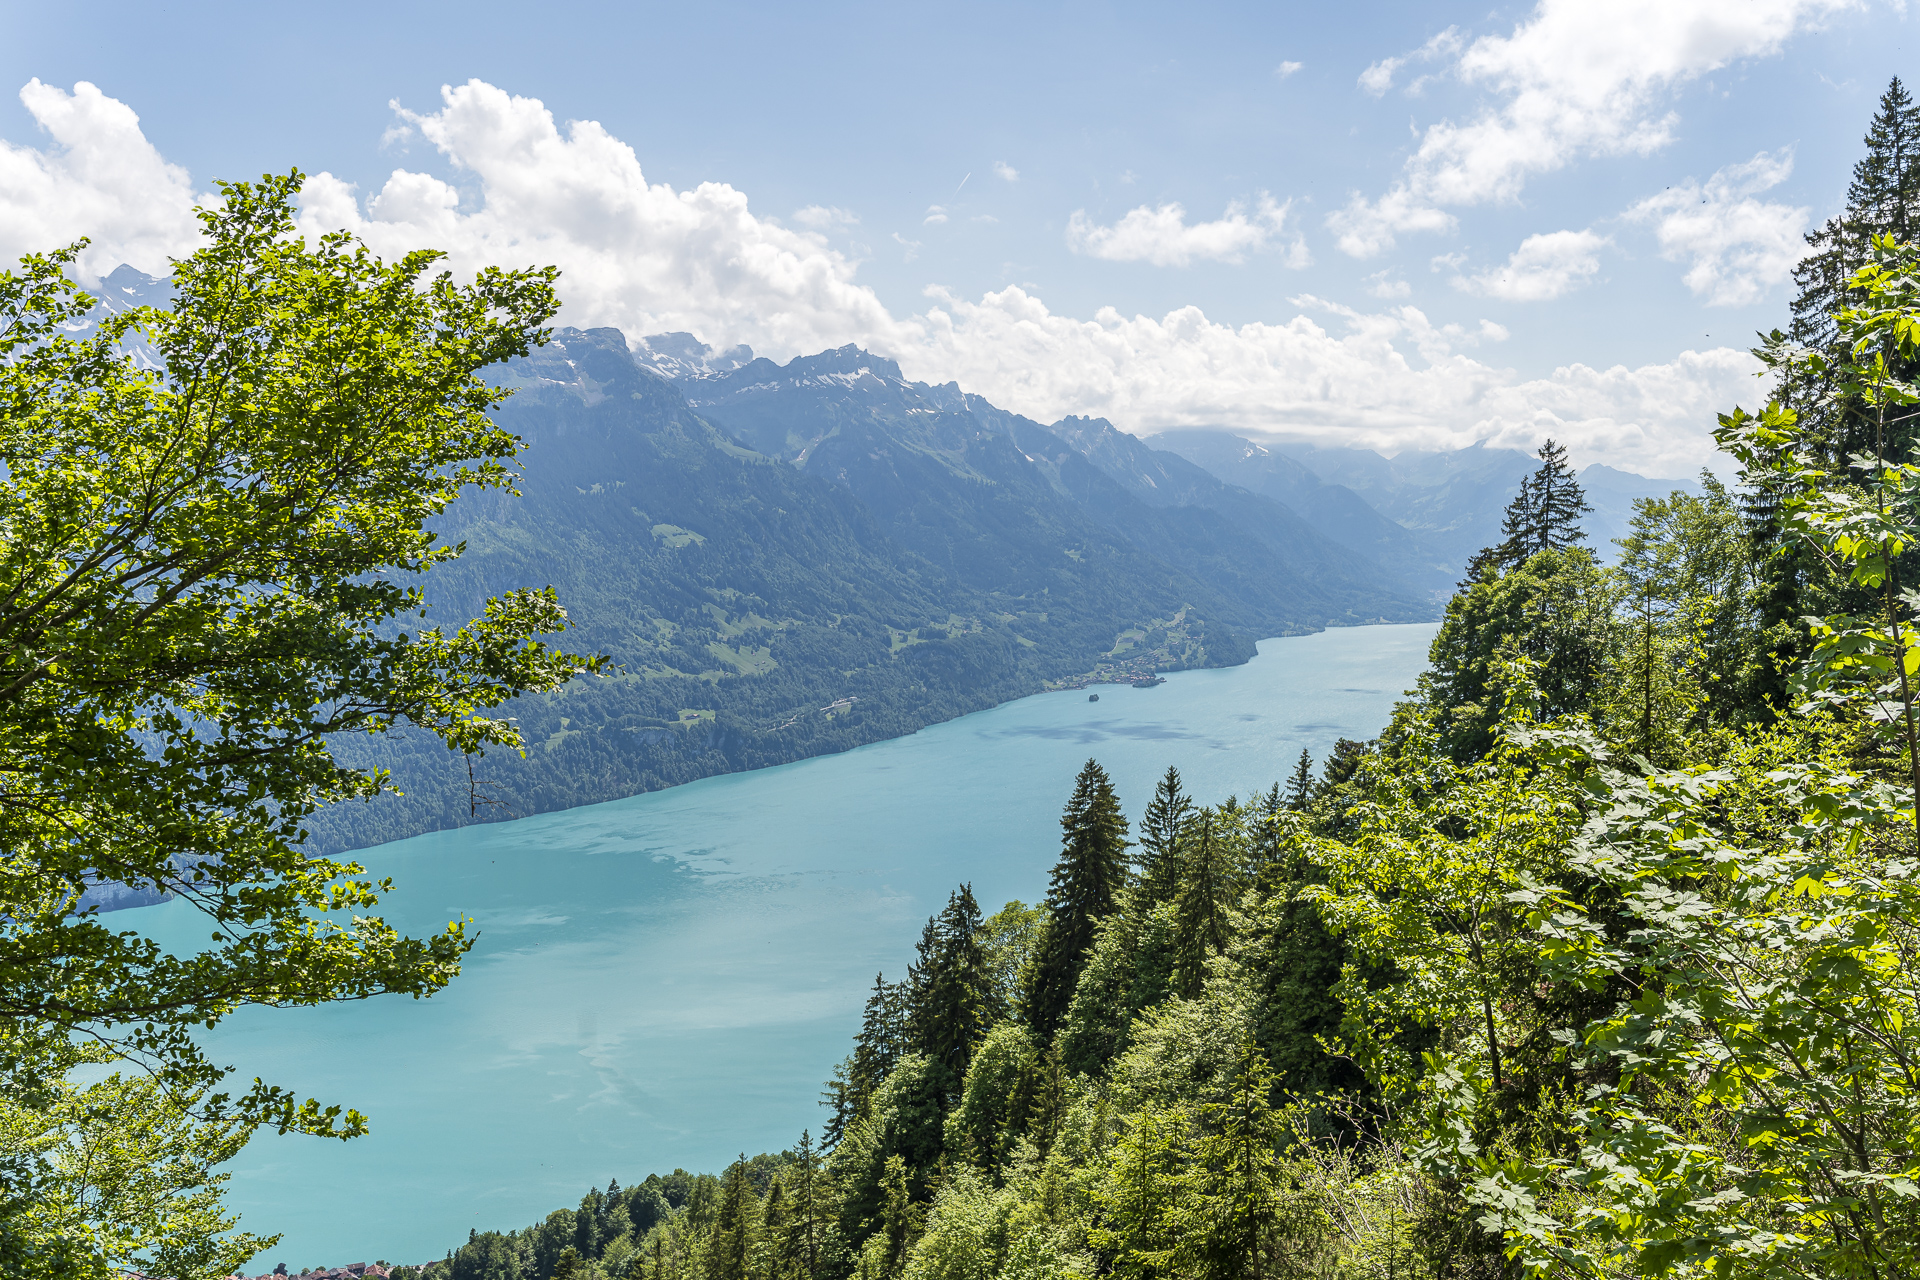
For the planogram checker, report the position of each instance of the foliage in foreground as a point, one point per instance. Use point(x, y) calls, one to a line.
point(208, 517)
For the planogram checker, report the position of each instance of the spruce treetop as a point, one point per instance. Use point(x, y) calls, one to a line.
point(1884, 196)
point(1084, 889)
point(1543, 516)
point(1159, 834)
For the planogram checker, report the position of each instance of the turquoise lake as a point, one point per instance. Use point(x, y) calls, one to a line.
point(666, 980)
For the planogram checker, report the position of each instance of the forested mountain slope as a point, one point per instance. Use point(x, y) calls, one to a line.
point(916, 566)
point(982, 491)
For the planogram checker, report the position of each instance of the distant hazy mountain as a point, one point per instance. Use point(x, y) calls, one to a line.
point(1333, 509)
point(1448, 503)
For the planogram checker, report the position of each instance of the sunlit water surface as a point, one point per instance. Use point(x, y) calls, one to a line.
point(666, 980)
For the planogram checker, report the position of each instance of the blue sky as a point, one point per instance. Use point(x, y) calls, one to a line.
point(1396, 225)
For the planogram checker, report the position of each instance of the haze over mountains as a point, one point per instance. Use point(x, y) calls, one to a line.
point(785, 560)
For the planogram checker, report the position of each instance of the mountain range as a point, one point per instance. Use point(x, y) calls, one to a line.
point(790, 559)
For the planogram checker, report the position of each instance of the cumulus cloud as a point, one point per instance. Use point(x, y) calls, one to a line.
point(1286, 69)
point(1573, 79)
point(936, 215)
point(647, 258)
point(1380, 286)
point(1164, 237)
point(637, 255)
point(1378, 77)
point(1005, 170)
point(100, 178)
point(822, 217)
point(1738, 247)
point(1353, 380)
point(1544, 267)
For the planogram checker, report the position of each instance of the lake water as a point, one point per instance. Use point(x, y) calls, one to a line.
point(666, 980)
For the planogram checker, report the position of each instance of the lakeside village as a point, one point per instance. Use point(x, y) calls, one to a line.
point(1139, 673)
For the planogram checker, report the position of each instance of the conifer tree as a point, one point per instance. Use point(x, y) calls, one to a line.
point(1142, 1176)
point(1480, 564)
point(1085, 888)
point(1884, 196)
point(567, 1265)
point(1206, 888)
point(729, 1252)
point(1264, 846)
point(916, 991)
point(809, 1210)
point(776, 1234)
point(1792, 580)
point(1545, 514)
point(1159, 836)
point(844, 1101)
point(1233, 1220)
point(957, 1008)
point(878, 1046)
point(914, 995)
point(1300, 783)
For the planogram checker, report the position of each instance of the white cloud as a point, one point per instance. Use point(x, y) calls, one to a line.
point(1380, 287)
point(1163, 236)
point(1286, 69)
point(1005, 170)
point(642, 257)
point(1378, 78)
point(935, 216)
point(1358, 386)
point(100, 178)
point(823, 217)
point(1575, 78)
point(911, 246)
point(1544, 267)
point(647, 259)
point(1364, 230)
point(1738, 246)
